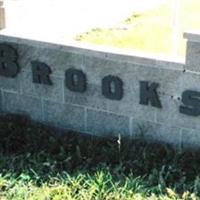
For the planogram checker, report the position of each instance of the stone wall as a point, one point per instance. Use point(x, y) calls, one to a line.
point(110, 93)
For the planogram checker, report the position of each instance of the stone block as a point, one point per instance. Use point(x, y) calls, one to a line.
point(105, 124)
point(170, 113)
point(11, 84)
point(166, 134)
point(25, 52)
point(54, 92)
point(130, 74)
point(64, 116)
point(156, 132)
point(92, 97)
point(55, 58)
point(190, 139)
point(173, 65)
point(193, 56)
point(15, 103)
point(59, 60)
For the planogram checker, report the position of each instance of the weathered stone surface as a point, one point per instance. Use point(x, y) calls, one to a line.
point(91, 98)
point(170, 114)
point(190, 139)
point(192, 56)
point(64, 115)
point(156, 132)
point(26, 53)
point(130, 104)
point(15, 103)
point(192, 35)
point(56, 59)
point(166, 134)
point(91, 111)
point(174, 65)
point(54, 92)
point(104, 123)
point(130, 74)
point(10, 84)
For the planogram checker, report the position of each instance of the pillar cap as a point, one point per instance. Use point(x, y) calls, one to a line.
point(192, 35)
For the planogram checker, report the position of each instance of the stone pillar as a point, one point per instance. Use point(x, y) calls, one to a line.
point(193, 51)
point(2, 15)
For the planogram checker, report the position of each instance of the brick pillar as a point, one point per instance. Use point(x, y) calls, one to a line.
point(2, 15)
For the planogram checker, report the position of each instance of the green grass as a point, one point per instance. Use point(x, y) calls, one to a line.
point(39, 163)
point(150, 31)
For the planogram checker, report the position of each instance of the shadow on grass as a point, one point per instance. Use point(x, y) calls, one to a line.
point(39, 153)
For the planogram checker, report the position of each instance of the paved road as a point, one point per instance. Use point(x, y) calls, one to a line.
point(62, 19)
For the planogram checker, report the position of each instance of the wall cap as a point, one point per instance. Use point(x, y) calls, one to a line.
point(193, 35)
point(110, 53)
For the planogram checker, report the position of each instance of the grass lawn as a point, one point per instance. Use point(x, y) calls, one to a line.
point(38, 163)
point(150, 31)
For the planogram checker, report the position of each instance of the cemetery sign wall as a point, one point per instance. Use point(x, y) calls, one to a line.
point(103, 93)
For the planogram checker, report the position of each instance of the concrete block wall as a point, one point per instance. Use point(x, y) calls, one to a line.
point(91, 112)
